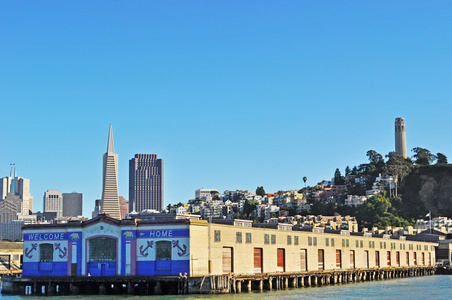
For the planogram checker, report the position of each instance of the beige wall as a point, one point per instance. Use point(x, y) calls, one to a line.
point(202, 239)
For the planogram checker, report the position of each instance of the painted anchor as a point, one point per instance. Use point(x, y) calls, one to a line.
point(144, 251)
point(63, 251)
point(34, 246)
point(183, 250)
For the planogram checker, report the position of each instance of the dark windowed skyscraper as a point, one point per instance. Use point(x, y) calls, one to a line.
point(145, 182)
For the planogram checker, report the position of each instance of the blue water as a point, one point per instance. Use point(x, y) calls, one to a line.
point(429, 287)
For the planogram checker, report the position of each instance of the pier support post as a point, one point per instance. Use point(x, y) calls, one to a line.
point(50, 289)
point(129, 288)
point(261, 285)
point(157, 288)
point(239, 287)
point(270, 283)
point(285, 282)
point(248, 285)
point(294, 282)
point(102, 290)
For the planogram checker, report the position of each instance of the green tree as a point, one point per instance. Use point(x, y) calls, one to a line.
point(376, 165)
point(304, 180)
point(338, 179)
point(260, 191)
point(423, 156)
point(375, 158)
point(441, 159)
point(347, 171)
point(397, 165)
point(355, 171)
point(249, 207)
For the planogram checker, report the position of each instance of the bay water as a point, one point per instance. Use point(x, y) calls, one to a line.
point(427, 287)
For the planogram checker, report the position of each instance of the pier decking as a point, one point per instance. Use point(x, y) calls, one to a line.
point(179, 285)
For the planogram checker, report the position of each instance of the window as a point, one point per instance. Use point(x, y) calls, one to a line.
point(343, 243)
point(315, 241)
point(102, 249)
point(309, 241)
point(248, 238)
point(327, 242)
point(289, 240)
point(407, 258)
point(163, 250)
point(217, 235)
point(361, 243)
point(357, 243)
point(266, 239)
point(423, 258)
point(238, 237)
point(352, 259)
point(46, 252)
point(295, 240)
point(373, 244)
point(384, 244)
point(370, 244)
point(273, 239)
point(346, 242)
point(388, 258)
point(415, 258)
point(332, 242)
point(381, 245)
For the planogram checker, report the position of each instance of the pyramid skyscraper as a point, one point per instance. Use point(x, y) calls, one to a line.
point(110, 197)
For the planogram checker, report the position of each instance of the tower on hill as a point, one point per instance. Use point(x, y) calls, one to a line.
point(400, 136)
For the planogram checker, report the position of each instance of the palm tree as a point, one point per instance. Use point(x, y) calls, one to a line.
point(304, 180)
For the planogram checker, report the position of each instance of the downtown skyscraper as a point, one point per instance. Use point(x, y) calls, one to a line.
point(110, 197)
point(145, 182)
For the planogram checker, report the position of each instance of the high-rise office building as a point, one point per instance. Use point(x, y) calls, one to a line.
point(110, 197)
point(53, 202)
point(123, 206)
point(72, 204)
point(145, 182)
point(400, 136)
point(16, 190)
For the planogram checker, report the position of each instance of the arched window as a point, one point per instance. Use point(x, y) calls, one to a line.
point(46, 252)
point(102, 249)
point(163, 250)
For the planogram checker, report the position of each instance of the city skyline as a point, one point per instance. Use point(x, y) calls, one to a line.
point(231, 101)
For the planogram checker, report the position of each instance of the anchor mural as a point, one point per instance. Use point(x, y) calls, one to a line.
point(144, 250)
point(183, 249)
point(63, 252)
point(34, 246)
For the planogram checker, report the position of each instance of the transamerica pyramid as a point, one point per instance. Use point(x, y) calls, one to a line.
point(110, 197)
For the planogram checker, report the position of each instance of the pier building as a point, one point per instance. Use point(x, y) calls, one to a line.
point(105, 246)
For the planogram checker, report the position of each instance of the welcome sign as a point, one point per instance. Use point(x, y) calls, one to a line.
point(45, 236)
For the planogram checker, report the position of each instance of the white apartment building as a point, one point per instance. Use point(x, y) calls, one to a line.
point(53, 202)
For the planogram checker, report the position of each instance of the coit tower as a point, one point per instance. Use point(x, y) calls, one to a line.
point(110, 197)
point(400, 137)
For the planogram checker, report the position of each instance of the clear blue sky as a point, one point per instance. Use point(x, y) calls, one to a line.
point(232, 94)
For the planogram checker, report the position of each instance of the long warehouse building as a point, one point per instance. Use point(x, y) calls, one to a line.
point(105, 246)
